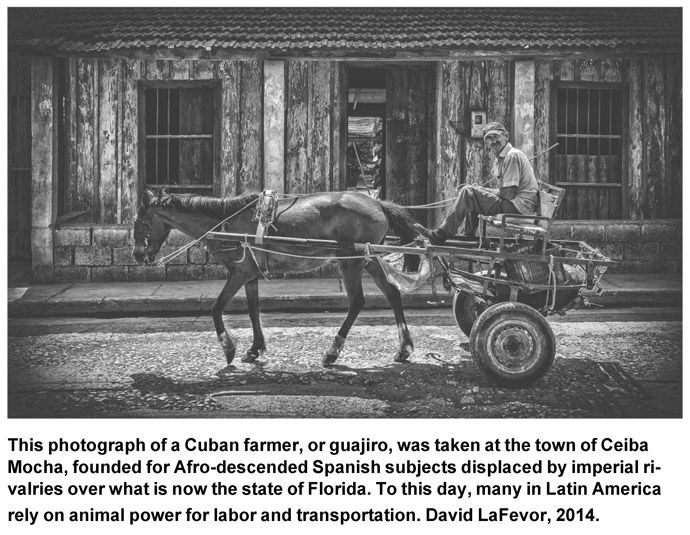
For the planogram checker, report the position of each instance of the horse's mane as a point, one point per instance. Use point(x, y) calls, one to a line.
point(212, 206)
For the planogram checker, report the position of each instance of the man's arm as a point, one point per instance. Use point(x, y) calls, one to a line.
point(508, 193)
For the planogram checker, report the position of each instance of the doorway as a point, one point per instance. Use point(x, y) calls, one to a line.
point(389, 148)
point(366, 113)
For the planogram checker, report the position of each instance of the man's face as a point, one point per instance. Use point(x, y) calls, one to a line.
point(495, 141)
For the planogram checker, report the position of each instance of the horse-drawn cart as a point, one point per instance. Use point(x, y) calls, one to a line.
point(501, 299)
point(504, 288)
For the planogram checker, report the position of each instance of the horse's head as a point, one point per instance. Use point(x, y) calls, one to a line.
point(150, 230)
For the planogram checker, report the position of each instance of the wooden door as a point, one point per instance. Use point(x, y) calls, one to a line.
point(19, 158)
point(408, 94)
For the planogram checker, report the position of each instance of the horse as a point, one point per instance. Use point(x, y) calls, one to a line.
point(345, 217)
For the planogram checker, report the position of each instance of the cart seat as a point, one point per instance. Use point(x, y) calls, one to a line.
point(550, 198)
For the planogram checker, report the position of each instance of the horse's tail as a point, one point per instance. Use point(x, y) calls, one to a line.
point(402, 224)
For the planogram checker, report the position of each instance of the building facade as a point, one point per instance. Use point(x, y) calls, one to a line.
point(106, 102)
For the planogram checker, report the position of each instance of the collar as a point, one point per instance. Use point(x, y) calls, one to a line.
point(505, 150)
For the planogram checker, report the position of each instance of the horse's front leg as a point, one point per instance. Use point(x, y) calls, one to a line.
point(395, 300)
point(232, 285)
point(258, 343)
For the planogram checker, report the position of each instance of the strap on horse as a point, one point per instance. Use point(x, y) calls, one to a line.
point(265, 214)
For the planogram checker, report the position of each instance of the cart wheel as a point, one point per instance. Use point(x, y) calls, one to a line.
point(466, 309)
point(512, 344)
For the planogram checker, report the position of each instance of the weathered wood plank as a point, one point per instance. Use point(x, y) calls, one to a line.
point(180, 70)
point(474, 148)
point(70, 137)
point(296, 127)
point(634, 187)
point(19, 158)
point(157, 69)
point(615, 195)
point(542, 120)
point(250, 127)
point(86, 141)
point(129, 150)
point(417, 140)
point(573, 198)
point(594, 195)
point(43, 164)
point(497, 84)
point(339, 127)
point(611, 70)
point(674, 131)
point(567, 69)
point(397, 172)
point(452, 104)
point(203, 69)
point(655, 120)
point(108, 97)
point(228, 72)
point(523, 109)
point(590, 70)
point(434, 136)
point(274, 125)
point(605, 194)
point(320, 138)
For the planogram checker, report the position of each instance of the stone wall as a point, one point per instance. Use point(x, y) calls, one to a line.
point(638, 246)
point(104, 253)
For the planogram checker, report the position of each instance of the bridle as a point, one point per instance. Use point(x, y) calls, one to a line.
point(147, 222)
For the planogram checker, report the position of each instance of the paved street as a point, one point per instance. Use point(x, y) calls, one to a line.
point(168, 367)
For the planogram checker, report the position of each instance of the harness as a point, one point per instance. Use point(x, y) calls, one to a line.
point(265, 214)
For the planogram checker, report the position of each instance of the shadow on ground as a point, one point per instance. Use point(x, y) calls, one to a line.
point(574, 388)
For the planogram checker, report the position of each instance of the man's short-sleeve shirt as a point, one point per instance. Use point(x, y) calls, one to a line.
point(512, 168)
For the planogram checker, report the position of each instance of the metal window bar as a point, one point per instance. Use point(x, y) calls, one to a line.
point(159, 136)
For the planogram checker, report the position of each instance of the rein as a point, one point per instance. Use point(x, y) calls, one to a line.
point(193, 242)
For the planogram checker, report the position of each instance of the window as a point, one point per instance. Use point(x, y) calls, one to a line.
point(589, 121)
point(180, 130)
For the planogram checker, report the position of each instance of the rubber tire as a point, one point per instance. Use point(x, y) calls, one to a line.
point(512, 344)
point(466, 310)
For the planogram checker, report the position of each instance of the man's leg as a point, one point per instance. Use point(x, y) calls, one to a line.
point(465, 214)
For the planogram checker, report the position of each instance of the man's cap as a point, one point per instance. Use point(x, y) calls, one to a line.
point(492, 128)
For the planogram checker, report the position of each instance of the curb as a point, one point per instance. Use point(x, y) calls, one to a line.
point(143, 306)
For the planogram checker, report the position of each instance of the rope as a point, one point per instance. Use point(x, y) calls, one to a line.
point(194, 242)
point(251, 247)
point(552, 275)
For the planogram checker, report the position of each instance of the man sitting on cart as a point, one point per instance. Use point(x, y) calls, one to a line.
point(516, 192)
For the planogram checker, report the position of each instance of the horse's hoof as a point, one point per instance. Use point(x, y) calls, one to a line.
point(329, 359)
point(404, 354)
point(228, 347)
point(251, 356)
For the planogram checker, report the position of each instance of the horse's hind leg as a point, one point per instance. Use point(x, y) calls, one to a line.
point(352, 280)
point(232, 285)
point(258, 343)
point(395, 300)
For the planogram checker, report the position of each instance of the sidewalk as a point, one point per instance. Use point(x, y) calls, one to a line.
point(197, 297)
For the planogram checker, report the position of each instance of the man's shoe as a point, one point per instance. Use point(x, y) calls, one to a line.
point(436, 237)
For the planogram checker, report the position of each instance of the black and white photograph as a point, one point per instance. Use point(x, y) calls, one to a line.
point(346, 212)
